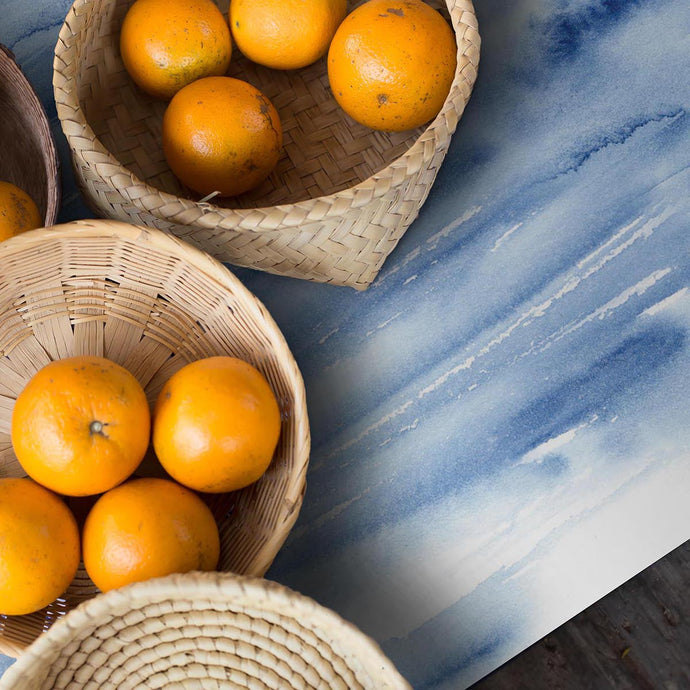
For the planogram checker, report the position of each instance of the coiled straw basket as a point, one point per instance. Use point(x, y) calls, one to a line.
point(203, 630)
point(340, 199)
point(151, 303)
point(29, 158)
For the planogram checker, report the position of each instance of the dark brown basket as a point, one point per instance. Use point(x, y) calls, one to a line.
point(29, 158)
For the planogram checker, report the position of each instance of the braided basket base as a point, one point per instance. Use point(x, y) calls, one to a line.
point(150, 303)
point(339, 200)
point(203, 630)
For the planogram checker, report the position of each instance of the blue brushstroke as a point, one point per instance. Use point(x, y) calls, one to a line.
point(627, 367)
point(596, 392)
point(617, 136)
point(567, 31)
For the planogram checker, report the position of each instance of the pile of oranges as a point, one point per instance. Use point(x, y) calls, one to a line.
point(390, 67)
point(81, 427)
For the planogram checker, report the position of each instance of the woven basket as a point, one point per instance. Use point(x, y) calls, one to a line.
point(203, 630)
point(151, 303)
point(29, 158)
point(339, 201)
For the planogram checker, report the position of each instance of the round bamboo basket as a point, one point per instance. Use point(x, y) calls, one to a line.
point(339, 200)
point(29, 159)
point(151, 303)
point(203, 630)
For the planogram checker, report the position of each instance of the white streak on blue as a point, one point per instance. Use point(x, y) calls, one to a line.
point(506, 235)
point(448, 230)
point(603, 311)
point(668, 304)
point(328, 335)
point(383, 324)
point(543, 450)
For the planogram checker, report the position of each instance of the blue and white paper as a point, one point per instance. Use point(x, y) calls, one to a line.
point(500, 423)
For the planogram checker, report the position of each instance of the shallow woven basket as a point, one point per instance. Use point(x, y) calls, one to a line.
point(340, 199)
point(203, 630)
point(29, 158)
point(151, 303)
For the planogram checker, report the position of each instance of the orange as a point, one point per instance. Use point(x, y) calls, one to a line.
point(221, 135)
point(285, 34)
point(18, 212)
point(166, 44)
point(391, 64)
point(216, 424)
point(148, 528)
point(81, 425)
point(39, 547)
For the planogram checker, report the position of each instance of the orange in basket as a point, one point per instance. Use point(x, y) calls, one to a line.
point(221, 135)
point(148, 528)
point(285, 34)
point(216, 425)
point(81, 425)
point(166, 44)
point(18, 212)
point(391, 64)
point(39, 546)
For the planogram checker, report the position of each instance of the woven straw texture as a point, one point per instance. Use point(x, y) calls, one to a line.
point(151, 303)
point(29, 159)
point(339, 200)
point(203, 630)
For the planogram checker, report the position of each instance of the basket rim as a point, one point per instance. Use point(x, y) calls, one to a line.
point(66, 98)
point(264, 595)
point(215, 271)
point(51, 160)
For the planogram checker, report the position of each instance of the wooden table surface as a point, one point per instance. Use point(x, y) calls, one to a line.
point(636, 637)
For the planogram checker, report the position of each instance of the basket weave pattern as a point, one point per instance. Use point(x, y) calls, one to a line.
point(203, 630)
point(150, 303)
point(336, 205)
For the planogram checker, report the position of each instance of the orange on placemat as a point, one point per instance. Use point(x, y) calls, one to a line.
point(148, 528)
point(285, 34)
point(391, 64)
point(221, 135)
point(166, 44)
point(81, 425)
point(39, 546)
point(18, 211)
point(216, 424)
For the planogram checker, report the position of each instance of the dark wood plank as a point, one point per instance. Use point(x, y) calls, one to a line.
point(637, 637)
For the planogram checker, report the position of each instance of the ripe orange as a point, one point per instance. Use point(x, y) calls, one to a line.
point(148, 528)
point(216, 424)
point(391, 64)
point(39, 547)
point(285, 34)
point(221, 135)
point(18, 212)
point(81, 425)
point(166, 44)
